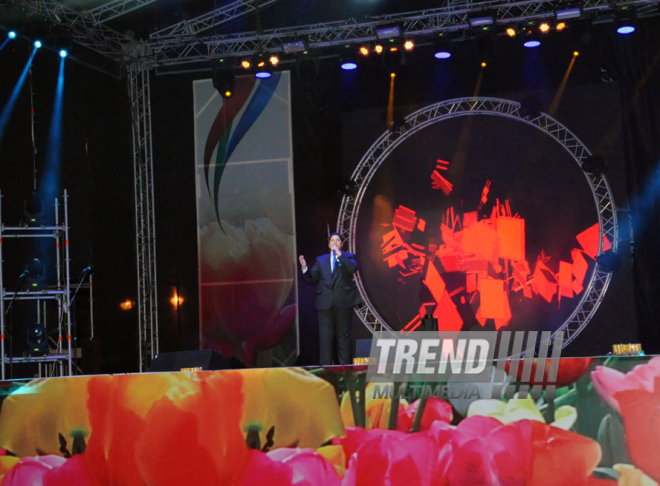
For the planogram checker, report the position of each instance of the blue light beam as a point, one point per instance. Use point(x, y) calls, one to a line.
point(49, 186)
point(5, 43)
point(9, 107)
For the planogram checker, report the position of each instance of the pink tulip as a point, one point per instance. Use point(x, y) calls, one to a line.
point(609, 382)
point(308, 466)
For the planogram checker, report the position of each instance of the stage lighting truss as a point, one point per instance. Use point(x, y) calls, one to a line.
point(607, 218)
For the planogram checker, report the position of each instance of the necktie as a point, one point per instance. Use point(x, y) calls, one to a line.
point(334, 262)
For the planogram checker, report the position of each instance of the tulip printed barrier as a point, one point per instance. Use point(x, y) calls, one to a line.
point(323, 427)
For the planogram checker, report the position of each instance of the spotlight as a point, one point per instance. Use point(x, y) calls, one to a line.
point(626, 21)
point(483, 64)
point(482, 20)
point(532, 42)
point(33, 210)
point(294, 46)
point(11, 34)
point(408, 45)
point(245, 63)
point(37, 273)
point(378, 49)
point(511, 32)
point(594, 165)
point(544, 27)
point(63, 53)
point(37, 340)
point(568, 13)
point(224, 78)
point(576, 53)
point(560, 26)
point(348, 61)
point(609, 261)
point(364, 51)
point(37, 44)
point(264, 70)
point(274, 60)
point(388, 32)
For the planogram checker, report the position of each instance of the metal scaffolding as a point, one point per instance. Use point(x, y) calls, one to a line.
point(61, 292)
point(145, 225)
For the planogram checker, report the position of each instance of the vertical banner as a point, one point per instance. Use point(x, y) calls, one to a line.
point(245, 220)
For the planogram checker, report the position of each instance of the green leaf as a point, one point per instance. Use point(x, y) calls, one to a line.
point(612, 440)
point(606, 473)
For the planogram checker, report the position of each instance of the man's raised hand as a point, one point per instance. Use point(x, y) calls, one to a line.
point(303, 264)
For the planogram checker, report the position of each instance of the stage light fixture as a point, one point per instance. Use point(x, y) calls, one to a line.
point(264, 69)
point(511, 32)
point(532, 42)
point(292, 47)
point(11, 34)
point(364, 50)
point(224, 77)
point(483, 64)
point(609, 261)
point(388, 32)
point(274, 60)
point(33, 209)
point(594, 165)
point(37, 340)
point(378, 48)
point(544, 28)
point(568, 13)
point(127, 304)
point(409, 45)
point(560, 26)
point(482, 20)
point(63, 53)
point(348, 65)
point(36, 278)
point(246, 64)
point(626, 21)
point(576, 53)
point(37, 44)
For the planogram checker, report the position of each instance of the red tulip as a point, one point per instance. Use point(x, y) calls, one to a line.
point(640, 409)
point(570, 370)
point(435, 409)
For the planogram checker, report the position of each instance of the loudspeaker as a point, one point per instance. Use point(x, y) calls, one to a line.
point(206, 359)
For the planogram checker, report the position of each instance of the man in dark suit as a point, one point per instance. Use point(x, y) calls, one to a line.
point(335, 297)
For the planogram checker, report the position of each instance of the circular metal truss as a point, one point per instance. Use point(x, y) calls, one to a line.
point(388, 141)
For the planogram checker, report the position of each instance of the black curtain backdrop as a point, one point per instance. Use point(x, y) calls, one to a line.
point(634, 61)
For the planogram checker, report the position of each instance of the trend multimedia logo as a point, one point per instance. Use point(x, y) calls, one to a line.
point(482, 364)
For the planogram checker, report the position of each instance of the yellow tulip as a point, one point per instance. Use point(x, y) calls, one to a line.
point(521, 409)
point(336, 456)
point(377, 409)
point(302, 408)
point(34, 415)
point(631, 476)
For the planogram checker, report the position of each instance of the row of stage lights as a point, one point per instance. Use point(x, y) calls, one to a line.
point(37, 43)
point(390, 38)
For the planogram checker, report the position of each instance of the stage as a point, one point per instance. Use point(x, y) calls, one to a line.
point(311, 426)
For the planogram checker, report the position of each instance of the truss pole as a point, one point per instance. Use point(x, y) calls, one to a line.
point(145, 235)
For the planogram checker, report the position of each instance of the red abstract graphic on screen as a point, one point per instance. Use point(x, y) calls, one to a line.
point(490, 252)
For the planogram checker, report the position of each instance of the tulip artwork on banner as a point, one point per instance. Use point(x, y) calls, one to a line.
point(325, 427)
point(245, 220)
